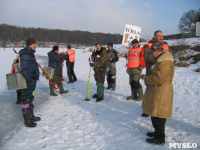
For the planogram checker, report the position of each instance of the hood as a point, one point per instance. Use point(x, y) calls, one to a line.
point(165, 56)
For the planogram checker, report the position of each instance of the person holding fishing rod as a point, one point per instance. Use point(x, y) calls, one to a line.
point(30, 71)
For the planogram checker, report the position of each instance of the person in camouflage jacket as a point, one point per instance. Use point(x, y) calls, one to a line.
point(100, 63)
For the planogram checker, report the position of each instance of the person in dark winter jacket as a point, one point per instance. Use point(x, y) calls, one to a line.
point(30, 71)
point(100, 63)
point(55, 61)
point(111, 68)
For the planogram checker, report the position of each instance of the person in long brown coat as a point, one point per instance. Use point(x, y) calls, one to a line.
point(149, 59)
point(158, 98)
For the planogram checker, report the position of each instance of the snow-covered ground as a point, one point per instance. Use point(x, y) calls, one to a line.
point(71, 123)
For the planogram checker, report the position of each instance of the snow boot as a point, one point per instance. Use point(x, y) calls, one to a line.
point(27, 121)
point(108, 88)
point(140, 93)
point(32, 117)
point(70, 82)
point(94, 96)
point(19, 95)
point(150, 134)
point(156, 141)
point(144, 115)
point(133, 94)
point(74, 79)
point(99, 99)
point(62, 91)
point(52, 93)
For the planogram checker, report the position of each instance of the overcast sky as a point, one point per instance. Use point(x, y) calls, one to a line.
point(108, 16)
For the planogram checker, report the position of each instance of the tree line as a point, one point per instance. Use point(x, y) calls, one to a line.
point(10, 34)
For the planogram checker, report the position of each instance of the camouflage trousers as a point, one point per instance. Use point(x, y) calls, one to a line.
point(56, 80)
point(99, 75)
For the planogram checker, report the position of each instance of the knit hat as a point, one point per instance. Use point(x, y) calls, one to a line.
point(30, 42)
point(110, 44)
point(135, 41)
point(55, 48)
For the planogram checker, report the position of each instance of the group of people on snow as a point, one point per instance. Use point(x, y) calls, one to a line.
point(155, 56)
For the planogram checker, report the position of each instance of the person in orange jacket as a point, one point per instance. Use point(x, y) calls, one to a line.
point(134, 70)
point(70, 64)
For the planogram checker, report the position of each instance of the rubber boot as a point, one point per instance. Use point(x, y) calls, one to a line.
point(32, 117)
point(27, 121)
point(19, 95)
point(133, 94)
point(100, 92)
point(140, 93)
point(145, 115)
point(52, 93)
point(62, 91)
point(94, 96)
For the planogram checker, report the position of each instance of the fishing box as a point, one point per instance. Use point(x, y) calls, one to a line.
point(49, 71)
point(16, 81)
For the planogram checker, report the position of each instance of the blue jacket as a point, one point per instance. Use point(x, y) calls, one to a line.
point(55, 61)
point(29, 69)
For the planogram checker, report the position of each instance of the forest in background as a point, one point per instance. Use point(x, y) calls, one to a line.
point(10, 34)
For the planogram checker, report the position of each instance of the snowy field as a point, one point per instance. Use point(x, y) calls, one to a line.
point(71, 123)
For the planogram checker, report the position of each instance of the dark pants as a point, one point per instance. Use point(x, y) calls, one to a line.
point(159, 126)
point(111, 80)
point(70, 71)
point(28, 93)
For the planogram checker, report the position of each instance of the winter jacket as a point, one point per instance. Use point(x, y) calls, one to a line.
point(134, 57)
point(55, 61)
point(29, 68)
point(149, 60)
point(158, 98)
point(71, 54)
point(112, 63)
point(100, 64)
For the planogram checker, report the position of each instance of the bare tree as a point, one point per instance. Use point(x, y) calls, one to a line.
point(192, 16)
